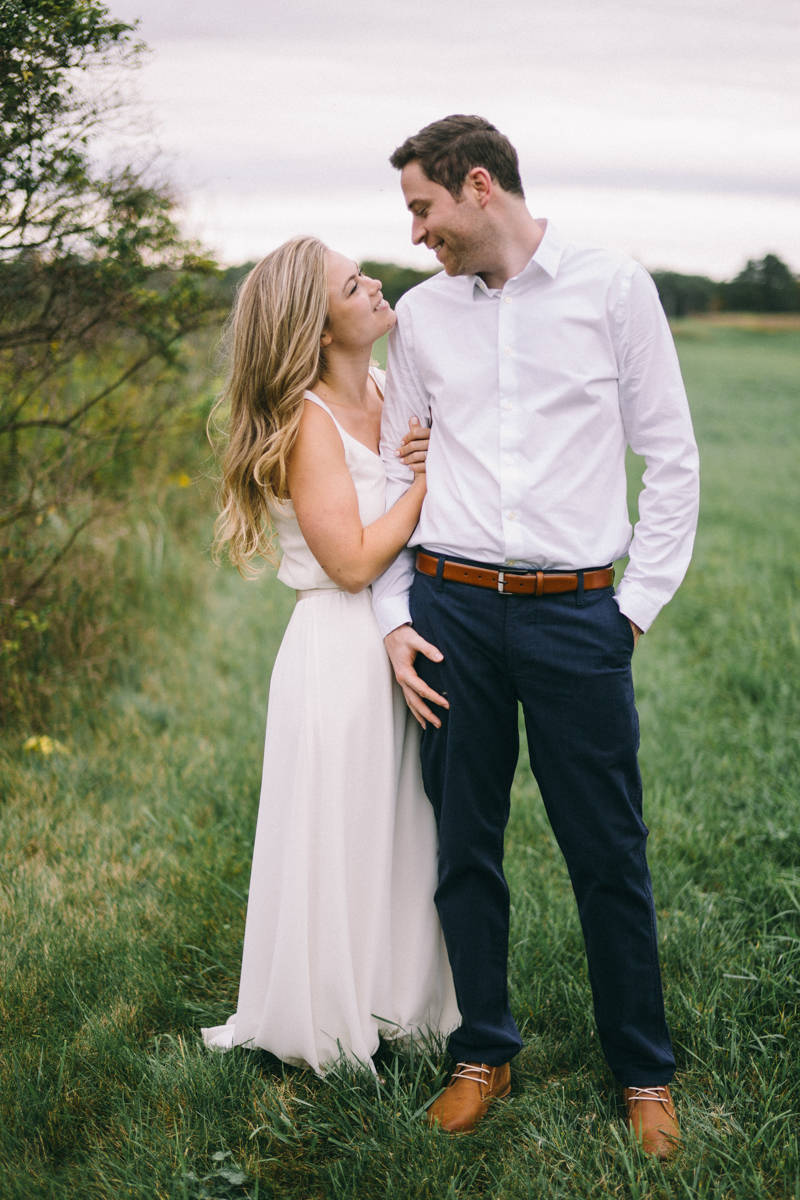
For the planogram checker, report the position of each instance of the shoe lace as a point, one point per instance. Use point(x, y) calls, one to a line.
point(649, 1093)
point(476, 1072)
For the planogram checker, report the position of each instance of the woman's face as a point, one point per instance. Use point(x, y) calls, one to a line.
point(357, 312)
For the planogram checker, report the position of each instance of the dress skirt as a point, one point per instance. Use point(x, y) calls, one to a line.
point(342, 941)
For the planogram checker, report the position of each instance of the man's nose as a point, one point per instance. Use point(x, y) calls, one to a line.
point(418, 231)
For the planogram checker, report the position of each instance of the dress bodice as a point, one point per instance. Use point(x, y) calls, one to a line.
point(299, 569)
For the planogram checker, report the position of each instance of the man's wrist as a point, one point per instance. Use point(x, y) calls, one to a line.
point(391, 612)
point(635, 604)
point(637, 632)
point(404, 625)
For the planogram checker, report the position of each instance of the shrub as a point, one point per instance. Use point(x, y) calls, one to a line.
point(98, 296)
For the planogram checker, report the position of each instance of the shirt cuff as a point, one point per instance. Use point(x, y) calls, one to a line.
point(637, 604)
point(391, 613)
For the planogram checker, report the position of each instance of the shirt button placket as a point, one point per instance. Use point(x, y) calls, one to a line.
point(509, 435)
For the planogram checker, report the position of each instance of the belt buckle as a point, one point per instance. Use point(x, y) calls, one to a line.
point(501, 583)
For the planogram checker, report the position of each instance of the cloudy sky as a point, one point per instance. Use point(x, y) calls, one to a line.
point(669, 129)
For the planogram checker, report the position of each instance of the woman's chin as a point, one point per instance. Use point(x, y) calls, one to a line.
point(387, 322)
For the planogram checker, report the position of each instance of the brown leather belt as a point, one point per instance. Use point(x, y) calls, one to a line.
point(538, 583)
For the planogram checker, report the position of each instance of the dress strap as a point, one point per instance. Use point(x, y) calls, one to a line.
point(321, 404)
point(343, 433)
point(315, 398)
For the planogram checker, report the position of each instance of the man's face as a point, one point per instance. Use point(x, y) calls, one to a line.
point(457, 231)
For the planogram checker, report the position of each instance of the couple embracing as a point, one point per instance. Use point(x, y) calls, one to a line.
point(450, 529)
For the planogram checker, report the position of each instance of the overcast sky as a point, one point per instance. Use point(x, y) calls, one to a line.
point(669, 129)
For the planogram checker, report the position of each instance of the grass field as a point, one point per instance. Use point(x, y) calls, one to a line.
point(125, 860)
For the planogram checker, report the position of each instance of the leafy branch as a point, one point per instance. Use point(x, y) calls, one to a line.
point(99, 291)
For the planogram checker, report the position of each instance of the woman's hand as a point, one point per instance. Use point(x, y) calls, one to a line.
point(413, 449)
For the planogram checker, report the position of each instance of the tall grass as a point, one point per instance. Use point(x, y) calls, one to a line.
point(125, 869)
point(61, 640)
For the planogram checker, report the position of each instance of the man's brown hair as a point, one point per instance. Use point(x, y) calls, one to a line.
point(448, 149)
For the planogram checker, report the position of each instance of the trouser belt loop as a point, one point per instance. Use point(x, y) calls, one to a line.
point(439, 585)
point(579, 603)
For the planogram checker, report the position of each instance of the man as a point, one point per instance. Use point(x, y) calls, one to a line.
point(536, 363)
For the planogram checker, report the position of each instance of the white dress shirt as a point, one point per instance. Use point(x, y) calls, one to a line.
point(533, 392)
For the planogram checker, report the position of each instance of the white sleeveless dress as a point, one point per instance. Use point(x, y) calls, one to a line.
point(342, 942)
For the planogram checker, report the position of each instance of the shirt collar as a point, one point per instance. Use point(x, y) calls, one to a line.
point(549, 251)
point(546, 257)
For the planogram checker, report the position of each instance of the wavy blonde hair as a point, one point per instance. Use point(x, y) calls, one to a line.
point(273, 342)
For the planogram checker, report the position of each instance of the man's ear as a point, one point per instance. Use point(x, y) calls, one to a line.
point(480, 182)
point(325, 340)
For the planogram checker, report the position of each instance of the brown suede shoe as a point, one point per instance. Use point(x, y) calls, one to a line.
point(651, 1116)
point(472, 1088)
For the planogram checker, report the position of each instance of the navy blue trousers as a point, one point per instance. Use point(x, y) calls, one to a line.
point(567, 658)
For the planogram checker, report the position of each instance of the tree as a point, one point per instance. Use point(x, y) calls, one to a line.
point(395, 280)
point(682, 295)
point(98, 291)
point(764, 286)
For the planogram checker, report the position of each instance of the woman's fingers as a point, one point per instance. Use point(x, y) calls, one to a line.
point(415, 461)
point(415, 441)
point(413, 452)
point(418, 433)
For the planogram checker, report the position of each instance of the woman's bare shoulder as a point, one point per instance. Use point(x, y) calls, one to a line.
point(318, 439)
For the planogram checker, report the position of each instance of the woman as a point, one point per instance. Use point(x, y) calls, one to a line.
point(342, 941)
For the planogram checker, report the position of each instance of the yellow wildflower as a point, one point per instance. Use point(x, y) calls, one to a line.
point(45, 745)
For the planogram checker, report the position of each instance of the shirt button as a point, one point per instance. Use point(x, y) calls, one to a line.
point(508, 406)
point(507, 350)
point(509, 461)
point(508, 299)
point(511, 516)
point(511, 561)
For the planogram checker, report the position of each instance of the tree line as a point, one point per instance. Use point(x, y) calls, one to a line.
point(764, 286)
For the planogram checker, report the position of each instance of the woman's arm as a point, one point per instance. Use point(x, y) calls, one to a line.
point(326, 505)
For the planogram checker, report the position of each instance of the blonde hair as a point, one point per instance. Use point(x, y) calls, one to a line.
point(273, 339)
